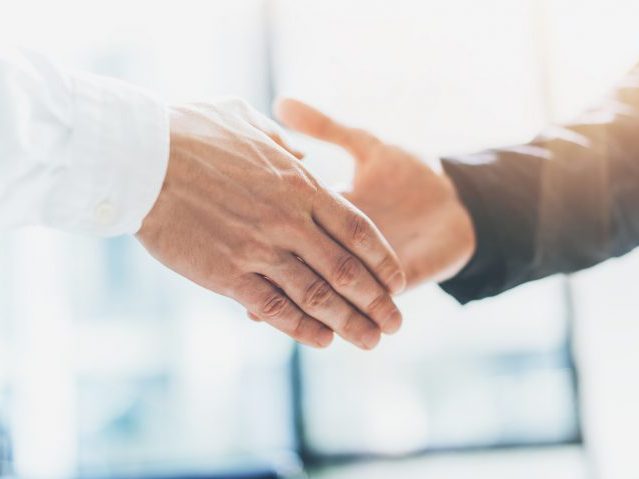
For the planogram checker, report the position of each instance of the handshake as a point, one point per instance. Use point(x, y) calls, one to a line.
point(240, 215)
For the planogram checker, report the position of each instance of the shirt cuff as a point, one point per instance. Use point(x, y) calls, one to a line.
point(118, 157)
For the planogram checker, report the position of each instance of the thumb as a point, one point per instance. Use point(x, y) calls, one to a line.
point(303, 118)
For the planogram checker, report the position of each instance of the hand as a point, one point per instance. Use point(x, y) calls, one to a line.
point(416, 208)
point(239, 215)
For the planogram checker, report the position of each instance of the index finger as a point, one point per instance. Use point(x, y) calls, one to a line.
point(305, 119)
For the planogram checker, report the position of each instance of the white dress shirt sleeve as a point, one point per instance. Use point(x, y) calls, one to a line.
point(78, 152)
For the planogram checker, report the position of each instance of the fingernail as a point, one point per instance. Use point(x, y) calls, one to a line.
point(397, 283)
point(393, 323)
point(371, 339)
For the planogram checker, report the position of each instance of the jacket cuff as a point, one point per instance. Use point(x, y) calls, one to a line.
point(483, 274)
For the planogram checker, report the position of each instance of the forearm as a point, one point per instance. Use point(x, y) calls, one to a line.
point(77, 152)
point(564, 202)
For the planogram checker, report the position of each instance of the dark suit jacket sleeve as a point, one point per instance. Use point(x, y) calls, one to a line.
point(564, 202)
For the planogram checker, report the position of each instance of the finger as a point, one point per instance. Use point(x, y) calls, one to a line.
point(356, 233)
point(303, 118)
point(318, 299)
point(269, 127)
point(284, 144)
point(269, 304)
point(247, 113)
point(350, 278)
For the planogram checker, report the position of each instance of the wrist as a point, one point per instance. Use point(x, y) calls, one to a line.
point(462, 229)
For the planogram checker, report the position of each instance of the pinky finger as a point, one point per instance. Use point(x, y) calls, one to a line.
point(269, 304)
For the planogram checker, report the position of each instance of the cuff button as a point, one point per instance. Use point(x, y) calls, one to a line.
point(105, 213)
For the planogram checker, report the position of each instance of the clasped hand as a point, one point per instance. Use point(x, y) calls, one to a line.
point(240, 215)
point(415, 207)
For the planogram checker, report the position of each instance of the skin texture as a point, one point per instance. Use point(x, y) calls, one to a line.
point(239, 215)
point(416, 208)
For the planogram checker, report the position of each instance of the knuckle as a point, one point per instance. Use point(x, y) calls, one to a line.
point(317, 294)
point(370, 140)
point(293, 227)
point(346, 271)
point(380, 304)
point(274, 305)
point(290, 220)
point(299, 181)
point(387, 268)
point(350, 325)
point(360, 230)
point(236, 107)
point(256, 252)
point(299, 328)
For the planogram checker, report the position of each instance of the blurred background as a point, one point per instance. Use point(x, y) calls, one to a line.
point(113, 367)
